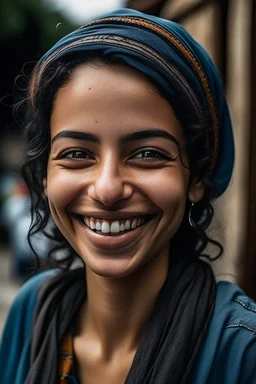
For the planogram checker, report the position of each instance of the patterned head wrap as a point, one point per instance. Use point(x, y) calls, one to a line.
point(161, 49)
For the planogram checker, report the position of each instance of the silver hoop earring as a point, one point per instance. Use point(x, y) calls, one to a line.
point(190, 220)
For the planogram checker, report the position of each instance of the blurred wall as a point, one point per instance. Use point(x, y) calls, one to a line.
point(229, 224)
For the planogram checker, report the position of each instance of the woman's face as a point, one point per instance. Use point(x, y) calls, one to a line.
point(116, 185)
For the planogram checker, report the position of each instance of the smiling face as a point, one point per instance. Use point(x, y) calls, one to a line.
point(116, 185)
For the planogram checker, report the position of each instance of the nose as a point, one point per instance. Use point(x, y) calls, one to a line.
point(109, 186)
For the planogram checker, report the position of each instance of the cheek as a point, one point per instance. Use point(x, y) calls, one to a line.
point(168, 189)
point(62, 187)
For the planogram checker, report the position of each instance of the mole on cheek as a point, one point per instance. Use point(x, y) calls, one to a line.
point(89, 88)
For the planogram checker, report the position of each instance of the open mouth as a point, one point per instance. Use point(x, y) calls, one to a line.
point(113, 227)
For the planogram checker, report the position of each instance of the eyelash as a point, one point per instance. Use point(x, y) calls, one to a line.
point(158, 155)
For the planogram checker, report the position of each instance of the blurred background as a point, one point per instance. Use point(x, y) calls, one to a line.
point(226, 28)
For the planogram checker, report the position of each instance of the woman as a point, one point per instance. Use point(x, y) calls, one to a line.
point(129, 140)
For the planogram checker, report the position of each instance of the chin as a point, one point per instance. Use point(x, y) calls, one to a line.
point(114, 269)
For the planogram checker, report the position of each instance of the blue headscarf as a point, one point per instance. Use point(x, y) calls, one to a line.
point(162, 50)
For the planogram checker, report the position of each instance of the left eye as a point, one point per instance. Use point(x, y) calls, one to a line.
point(75, 155)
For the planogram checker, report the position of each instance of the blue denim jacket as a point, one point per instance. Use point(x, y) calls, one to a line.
point(227, 355)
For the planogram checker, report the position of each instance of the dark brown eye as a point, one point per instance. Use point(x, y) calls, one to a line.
point(76, 154)
point(150, 154)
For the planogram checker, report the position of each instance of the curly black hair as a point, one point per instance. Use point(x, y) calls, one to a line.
point(36, 127)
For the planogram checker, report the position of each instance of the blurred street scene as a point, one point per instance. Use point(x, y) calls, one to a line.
point(8, 285)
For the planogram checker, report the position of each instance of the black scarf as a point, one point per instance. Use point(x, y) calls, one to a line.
point(170, 340)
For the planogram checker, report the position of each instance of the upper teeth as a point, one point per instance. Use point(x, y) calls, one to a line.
point(116, 226)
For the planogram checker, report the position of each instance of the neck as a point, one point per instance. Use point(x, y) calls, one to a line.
point(117, 309)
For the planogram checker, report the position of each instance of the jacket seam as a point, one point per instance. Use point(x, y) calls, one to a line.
point(241, 325)
point(244, 305)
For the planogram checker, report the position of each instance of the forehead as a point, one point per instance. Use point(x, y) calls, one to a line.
point(116, 79)
point(111, 98)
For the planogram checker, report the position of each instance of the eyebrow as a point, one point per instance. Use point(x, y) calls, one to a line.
point(140, 135)
point(86, 136)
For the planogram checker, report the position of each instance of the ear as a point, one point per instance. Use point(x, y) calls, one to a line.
point(45, 186)
point(196, 191)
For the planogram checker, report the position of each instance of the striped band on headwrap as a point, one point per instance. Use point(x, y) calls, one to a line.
point(166, 48)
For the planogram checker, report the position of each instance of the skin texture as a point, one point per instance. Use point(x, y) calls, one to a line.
point(111, 176)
